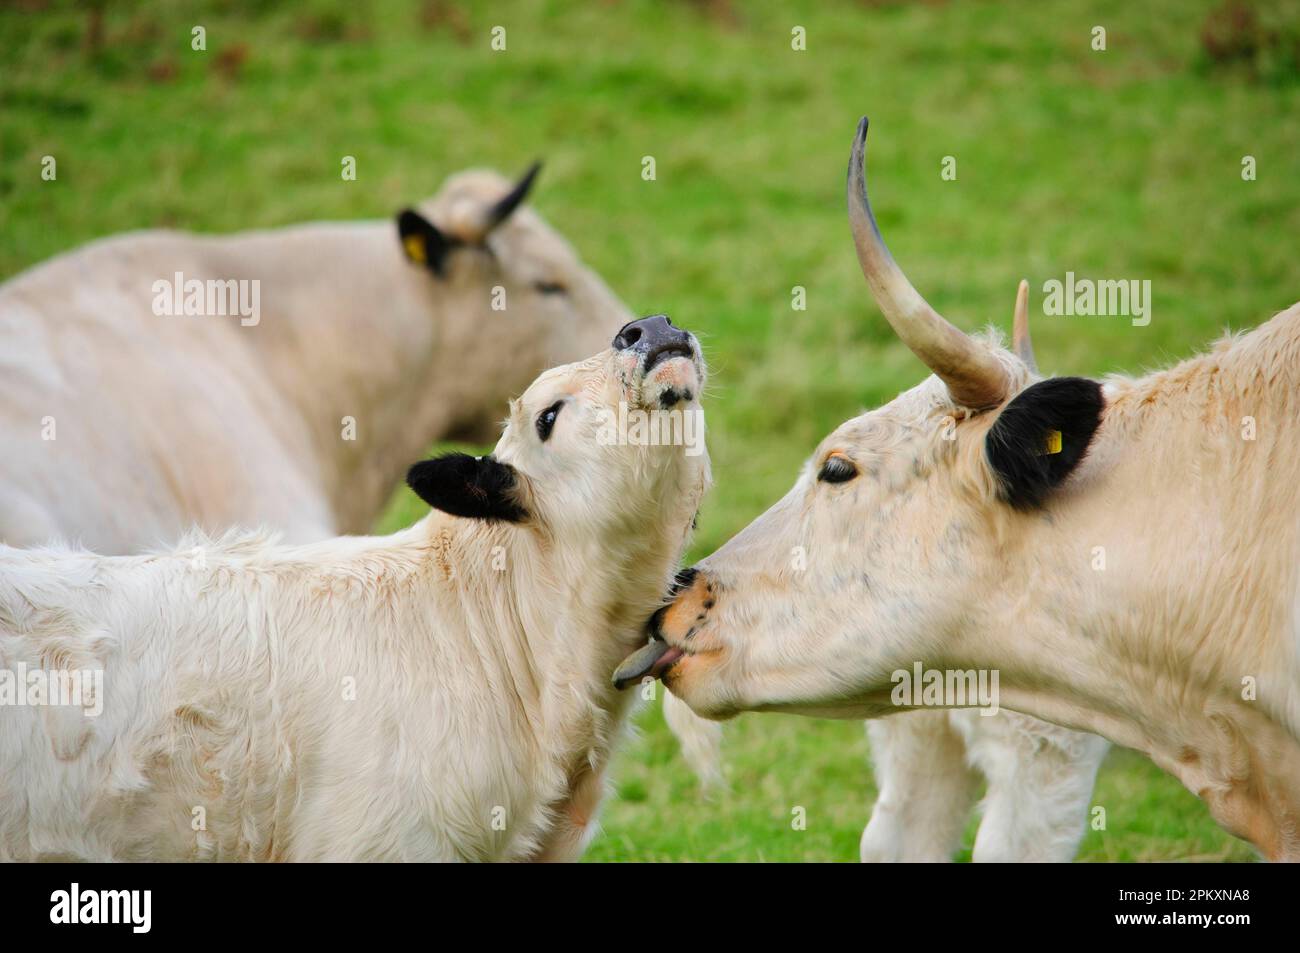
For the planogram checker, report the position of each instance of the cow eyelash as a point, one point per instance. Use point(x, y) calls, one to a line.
point(550, 287)
point(546, 420)
point(837, 469)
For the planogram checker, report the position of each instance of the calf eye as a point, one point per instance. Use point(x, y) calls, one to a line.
point(546, 420)
point(837, 469)
point(549, 287)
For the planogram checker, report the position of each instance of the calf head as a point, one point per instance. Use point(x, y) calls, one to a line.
point(579, 460)
point(889, 541)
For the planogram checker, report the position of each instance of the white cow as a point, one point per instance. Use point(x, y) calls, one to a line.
point(1122, 555)
point(123, 425)
point(439, 694)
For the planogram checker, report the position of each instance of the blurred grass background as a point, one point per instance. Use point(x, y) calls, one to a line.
point(1117, 164)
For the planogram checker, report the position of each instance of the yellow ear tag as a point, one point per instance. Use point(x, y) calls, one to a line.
point(415, 248)
point(1053, 442)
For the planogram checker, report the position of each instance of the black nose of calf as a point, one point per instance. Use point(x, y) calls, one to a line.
point(656, 338)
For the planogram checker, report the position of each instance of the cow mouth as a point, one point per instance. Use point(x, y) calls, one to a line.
point(666, 352)
point(652, 660)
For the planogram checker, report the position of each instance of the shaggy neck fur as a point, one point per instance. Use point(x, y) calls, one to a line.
point(557, 653)
point(1199, 529)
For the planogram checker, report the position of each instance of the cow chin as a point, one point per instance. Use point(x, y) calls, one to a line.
point(670, 383)
point(686, 623)
point(695, 680)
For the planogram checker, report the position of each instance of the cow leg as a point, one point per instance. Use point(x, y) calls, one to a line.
point(1040, 780)
point(926, 789)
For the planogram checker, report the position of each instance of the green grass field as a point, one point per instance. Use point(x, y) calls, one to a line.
point(1125, 163)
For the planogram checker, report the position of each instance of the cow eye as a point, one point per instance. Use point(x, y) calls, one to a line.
point(549, 287)
point(837, 469)
point(546, 420)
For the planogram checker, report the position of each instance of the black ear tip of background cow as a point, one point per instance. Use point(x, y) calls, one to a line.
point(523, 188)
point(506, 206)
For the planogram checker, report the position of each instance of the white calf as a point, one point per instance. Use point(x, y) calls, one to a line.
point(441, 693)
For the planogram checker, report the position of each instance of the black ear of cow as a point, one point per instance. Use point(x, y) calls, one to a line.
point(422, 242)
point(481, 488)
point(1041, 436)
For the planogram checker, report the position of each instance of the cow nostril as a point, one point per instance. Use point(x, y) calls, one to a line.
point(651, 335)
point(627, 336)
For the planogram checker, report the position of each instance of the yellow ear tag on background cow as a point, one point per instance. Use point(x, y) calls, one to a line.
point(1053, 442)
point(415, 248)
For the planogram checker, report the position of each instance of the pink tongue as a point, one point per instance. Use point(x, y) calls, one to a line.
point(650, 659)
point(664, 662)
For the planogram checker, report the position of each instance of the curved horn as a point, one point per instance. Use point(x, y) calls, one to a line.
point(974, 377)
point(1020, 341)
point(499, 212)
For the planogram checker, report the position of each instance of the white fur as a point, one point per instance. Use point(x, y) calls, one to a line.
point(439, 694)
point(1152, 600)
point(1039, 775)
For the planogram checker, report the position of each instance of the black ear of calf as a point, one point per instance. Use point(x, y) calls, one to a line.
point(474, 487)
point(422, 242)
point(1023, 446)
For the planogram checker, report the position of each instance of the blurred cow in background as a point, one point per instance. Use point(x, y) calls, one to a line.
point(158, 380)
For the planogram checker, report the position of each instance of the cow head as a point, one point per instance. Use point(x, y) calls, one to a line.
point(509, 294)
point(477, 235)
point(892, 538)
point(580, 460)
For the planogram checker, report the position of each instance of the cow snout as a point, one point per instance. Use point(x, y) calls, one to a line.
point(682, 646)
point(694, 594)
point(655, 339)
